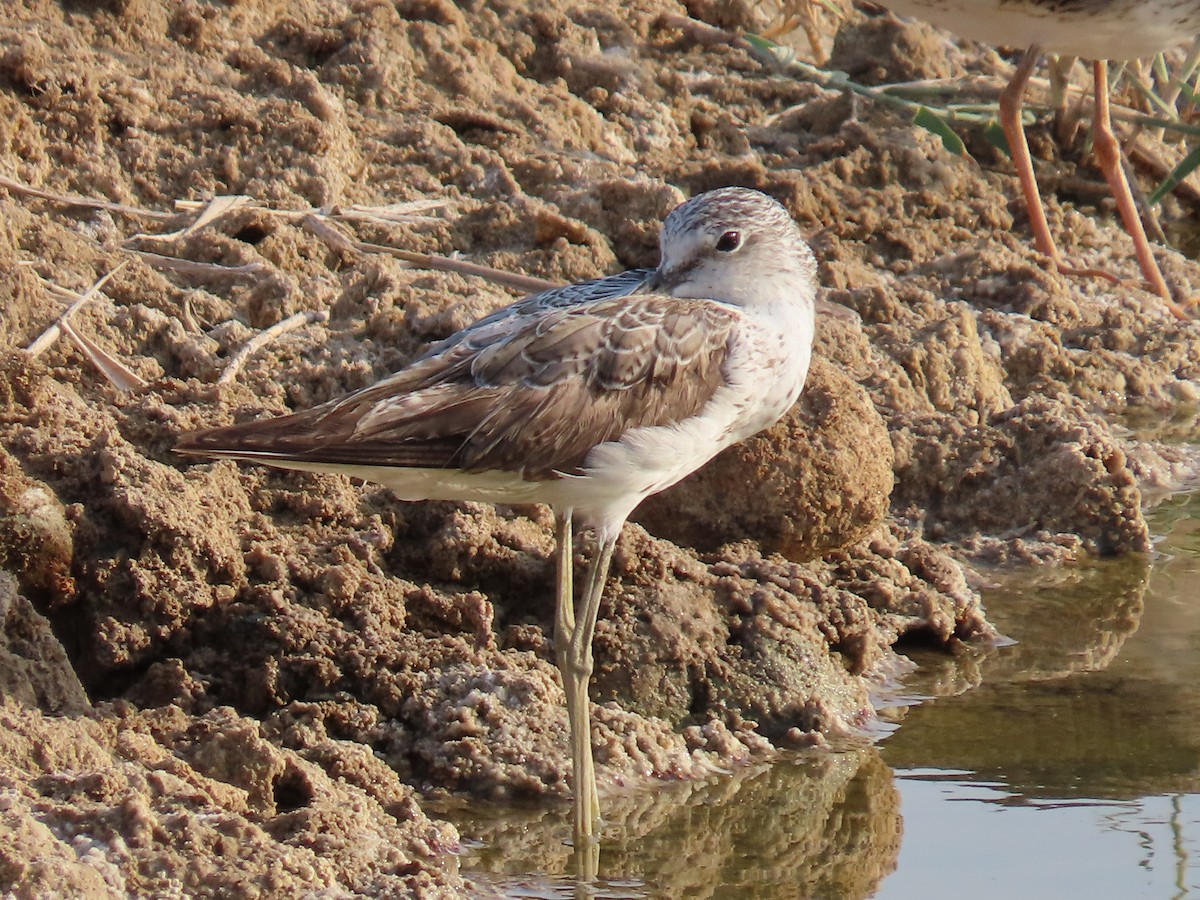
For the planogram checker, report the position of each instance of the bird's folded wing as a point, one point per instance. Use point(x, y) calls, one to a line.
point(622, 284)
point(532, 398)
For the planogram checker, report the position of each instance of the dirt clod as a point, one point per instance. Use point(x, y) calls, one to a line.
point(223, 680)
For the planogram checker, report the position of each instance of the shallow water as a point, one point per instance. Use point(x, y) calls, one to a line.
point(1073, 769)
point(1065, 765)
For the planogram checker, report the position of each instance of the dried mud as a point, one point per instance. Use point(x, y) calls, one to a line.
point(217, 679)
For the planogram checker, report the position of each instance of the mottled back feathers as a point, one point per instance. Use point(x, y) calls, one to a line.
point(534, 388)
point(532, 397)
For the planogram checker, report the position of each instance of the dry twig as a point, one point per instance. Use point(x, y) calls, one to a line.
point(47, 338)
point(260, 340)
point(16, 187)
point(209, 213)
point(119, 374)
point(200, 269)
point(344, 244)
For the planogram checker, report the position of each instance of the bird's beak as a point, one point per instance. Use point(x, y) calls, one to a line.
point(665, 282)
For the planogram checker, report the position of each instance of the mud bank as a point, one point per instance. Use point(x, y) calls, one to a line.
point(230, 679)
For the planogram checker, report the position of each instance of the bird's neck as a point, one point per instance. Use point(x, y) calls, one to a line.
point(783, 293)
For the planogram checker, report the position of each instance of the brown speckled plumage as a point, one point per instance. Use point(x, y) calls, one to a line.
point(589, 397)
point(532, 399)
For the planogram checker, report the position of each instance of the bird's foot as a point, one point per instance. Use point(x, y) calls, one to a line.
point(1064, 268)
point(587, 857)
point(1185, 311)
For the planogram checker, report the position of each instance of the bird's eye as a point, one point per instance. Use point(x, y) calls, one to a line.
point(729, 241)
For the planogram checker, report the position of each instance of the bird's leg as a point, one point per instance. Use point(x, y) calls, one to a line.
point(1108, 155)
point(1067, 116)
point(1011, 101)
point(564, 605)
point(564, 630)
point(576, 670)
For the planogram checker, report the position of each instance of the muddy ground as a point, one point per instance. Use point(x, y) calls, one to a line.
point(226, 679)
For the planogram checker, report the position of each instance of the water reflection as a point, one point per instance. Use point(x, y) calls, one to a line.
point(1080, 741)
point(1068, 619)
point(1075, 708)
point(1073, 770)
point(816, 825)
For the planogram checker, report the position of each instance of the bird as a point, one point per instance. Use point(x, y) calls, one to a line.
point(1097, 30)
point(588, 398)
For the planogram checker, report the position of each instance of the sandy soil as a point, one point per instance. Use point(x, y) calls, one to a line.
point(221, 679)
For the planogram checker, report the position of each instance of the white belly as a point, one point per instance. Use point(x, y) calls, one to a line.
point(766, 377)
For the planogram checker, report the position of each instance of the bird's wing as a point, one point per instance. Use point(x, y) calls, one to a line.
point(622, 284)
point(532, 398)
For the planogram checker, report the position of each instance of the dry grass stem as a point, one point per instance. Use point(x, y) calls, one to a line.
point(47, 338)
point(345, 244)
point(411, 212)
point(260, 340)
point(199, 269)
point(210, 211)
point(119, 374)
point(16, 187)
point(1150, 160)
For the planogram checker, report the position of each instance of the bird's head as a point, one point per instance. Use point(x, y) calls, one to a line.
point(734, 245)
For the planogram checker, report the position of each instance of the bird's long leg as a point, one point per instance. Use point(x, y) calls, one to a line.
point(576, 673)
point(1011, 101)
point(1108, 155)
point(564, 605)
point(564, 630)
point(576, 665)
